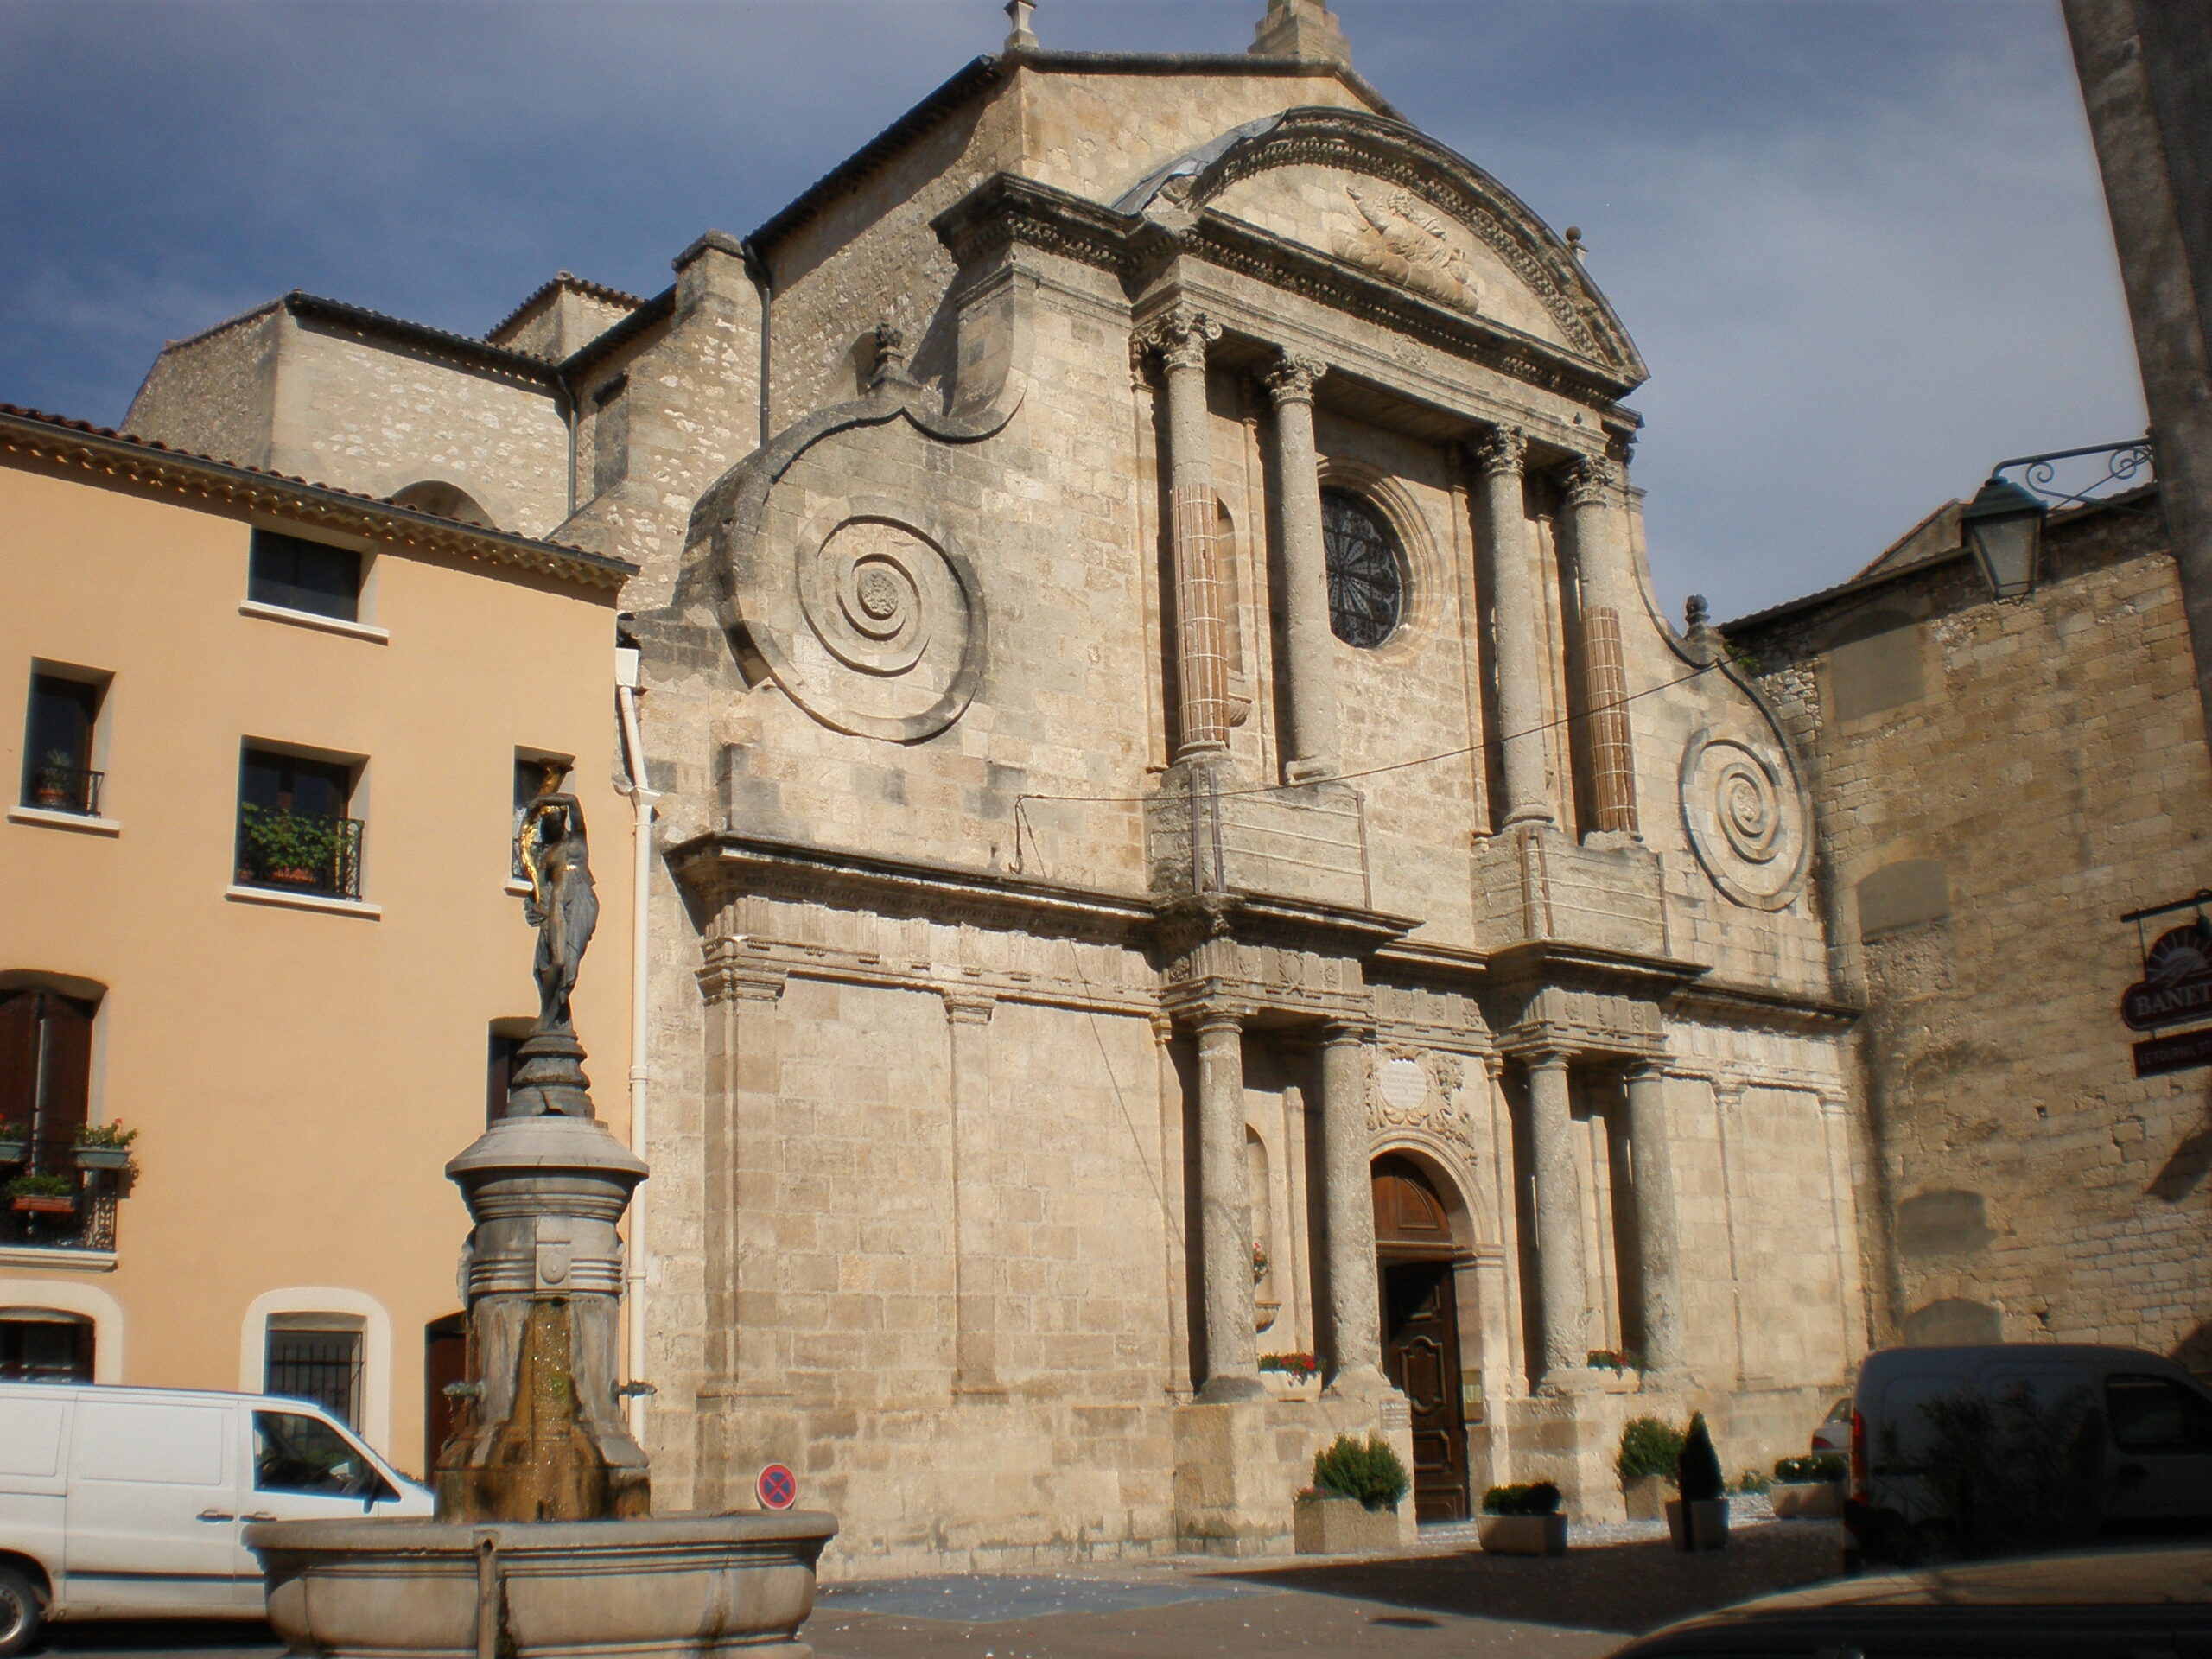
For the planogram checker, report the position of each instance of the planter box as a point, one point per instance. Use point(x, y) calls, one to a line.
point(1808, 1500)
point(1701, 1525)
point(1523, 1535)
point(14, 1152)
point(1342, 1526)
point(33, 1204)
point(1646, 1496)
point(103, 1157)
point(1284, 1386)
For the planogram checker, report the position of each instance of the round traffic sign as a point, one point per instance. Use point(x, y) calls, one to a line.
point(777, 1487)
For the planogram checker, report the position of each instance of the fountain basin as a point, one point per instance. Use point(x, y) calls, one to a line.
point(685, 1585)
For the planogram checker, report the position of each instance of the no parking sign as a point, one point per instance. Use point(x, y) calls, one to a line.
point(777, 1488)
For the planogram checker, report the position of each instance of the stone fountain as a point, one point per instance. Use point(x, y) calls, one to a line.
point(544, 1541)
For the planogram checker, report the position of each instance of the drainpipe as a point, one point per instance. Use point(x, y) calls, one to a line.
point(641, 848)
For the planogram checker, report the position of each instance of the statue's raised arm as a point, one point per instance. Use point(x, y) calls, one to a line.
point(563, 906)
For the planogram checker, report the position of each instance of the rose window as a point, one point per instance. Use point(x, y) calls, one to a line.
point(1367, 570)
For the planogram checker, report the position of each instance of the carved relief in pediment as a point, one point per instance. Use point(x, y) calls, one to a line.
point(1405, 241)
point(1421, 1089)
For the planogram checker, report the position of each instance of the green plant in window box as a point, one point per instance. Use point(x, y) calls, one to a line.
point(37, 1194)
point(293, 850)
point(104, 1146)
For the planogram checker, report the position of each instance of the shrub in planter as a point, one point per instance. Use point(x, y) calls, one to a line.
point(1699, 1519)
point(1809, 1488)
point(1523, 1520)
point(1821, 1466)
point(1752, 1483)
point(1650, 1449)
point(1369, 1470)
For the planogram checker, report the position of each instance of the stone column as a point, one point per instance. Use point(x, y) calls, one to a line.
point(1201, 655)
point(1347, 1208)
point(1169, 1084)
point(1519, 653)
point(1601, 562)
point(1312, 645)
point(1225, 1210)
point(1559, 1219)
point(1657, 1231)
point(975, 1345)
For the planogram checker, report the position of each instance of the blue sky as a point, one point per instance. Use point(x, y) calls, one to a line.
point(1861, 244)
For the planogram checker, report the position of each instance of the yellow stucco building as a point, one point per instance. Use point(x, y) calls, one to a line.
point(263, 742)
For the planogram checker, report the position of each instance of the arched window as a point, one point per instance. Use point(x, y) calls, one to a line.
point(45, 1345)
point(45, 1073)
point(1367, 570)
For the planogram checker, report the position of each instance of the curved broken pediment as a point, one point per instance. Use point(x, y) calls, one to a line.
point(1379, 195)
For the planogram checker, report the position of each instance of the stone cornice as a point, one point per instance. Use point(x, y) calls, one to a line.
point(1760, 1006)
point(71, 448)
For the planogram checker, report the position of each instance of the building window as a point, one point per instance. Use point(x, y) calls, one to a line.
point(46, 1070)
point(536, 773)
point(316, 1357)
point(43, 1344)
point(1367, 570)
point(296, 576)
point(294, 830)
point(58, 773)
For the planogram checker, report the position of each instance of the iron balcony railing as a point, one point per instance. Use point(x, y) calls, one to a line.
point(64, 789)
point(81, 1219)
point(299, 852)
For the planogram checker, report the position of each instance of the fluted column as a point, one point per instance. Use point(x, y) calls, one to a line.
point(1519, 652)
point(1348, 1210)
point(1601, 562)
point(1312, 646)
point(975, 1299)
point(1225, 1210)
point(1181, 336)
point(1657, 1224)
point(1559, 1218)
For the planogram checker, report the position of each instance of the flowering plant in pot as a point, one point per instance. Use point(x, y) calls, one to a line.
point(1523, 1520)
point(49, 1195)
point(15, 1143)
point(104, 1146)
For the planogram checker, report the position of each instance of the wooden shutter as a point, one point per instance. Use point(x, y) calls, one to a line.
point(18, 1056)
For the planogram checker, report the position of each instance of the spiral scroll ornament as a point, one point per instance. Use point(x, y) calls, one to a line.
point(880, 630)
point(1746, 814)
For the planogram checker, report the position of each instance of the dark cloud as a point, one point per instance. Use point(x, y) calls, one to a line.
point(1861, 244)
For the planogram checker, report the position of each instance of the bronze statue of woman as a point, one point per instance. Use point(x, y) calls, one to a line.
point(563, 906)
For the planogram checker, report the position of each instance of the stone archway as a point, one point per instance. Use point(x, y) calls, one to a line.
point(1418, 1256)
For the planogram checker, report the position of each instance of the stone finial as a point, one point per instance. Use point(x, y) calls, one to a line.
point(1024, 37)
point(1302, 29)
point(1695, 612)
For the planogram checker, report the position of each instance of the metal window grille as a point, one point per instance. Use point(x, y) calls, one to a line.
point(324, 1366)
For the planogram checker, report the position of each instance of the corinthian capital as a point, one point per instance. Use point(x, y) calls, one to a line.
point(1503, 449)
point(1180, 334)
point(1589, 480)
point(1290, 378)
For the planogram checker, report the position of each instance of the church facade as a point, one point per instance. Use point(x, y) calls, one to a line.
point(1186, 845)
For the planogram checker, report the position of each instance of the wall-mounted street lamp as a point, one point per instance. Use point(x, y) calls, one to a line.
point(2004, 522)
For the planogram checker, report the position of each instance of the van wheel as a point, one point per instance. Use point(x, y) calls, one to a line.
point(20, 1617)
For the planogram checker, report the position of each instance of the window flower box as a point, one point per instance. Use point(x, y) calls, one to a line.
point(103, 1157)
point(15, 1147)
point(42, 1203)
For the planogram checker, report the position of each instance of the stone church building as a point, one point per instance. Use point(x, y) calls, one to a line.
point(1184, 836)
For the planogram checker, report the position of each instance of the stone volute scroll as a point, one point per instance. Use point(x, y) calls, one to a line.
point(1744, 809)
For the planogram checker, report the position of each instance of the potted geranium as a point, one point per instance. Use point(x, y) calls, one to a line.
point(50, 786)
point(1809, 1488)
point(14, 1145)
point(104, 1146)
point(1523, 1520)
point(1294, 1375)
point(1650, 1448)
point(1352, 1506)
point(1698, 1519)
point(291, 850)
point(41, 1195)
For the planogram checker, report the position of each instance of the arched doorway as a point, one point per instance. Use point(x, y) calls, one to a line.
point(1416, 1260)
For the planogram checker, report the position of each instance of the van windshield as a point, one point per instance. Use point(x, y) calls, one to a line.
point(294, 1452)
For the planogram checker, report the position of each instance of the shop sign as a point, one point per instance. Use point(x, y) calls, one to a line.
point(2177, 984)
point(2184, 1051)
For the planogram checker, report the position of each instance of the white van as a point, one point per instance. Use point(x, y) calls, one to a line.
point(2158, 1421)
point(131, 1502)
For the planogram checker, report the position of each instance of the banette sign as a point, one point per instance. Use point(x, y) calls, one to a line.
point(2177, 983)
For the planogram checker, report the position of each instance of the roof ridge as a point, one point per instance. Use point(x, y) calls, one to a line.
point(574, 285)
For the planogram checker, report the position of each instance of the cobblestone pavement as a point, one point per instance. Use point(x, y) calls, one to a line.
point(1448, 1599)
